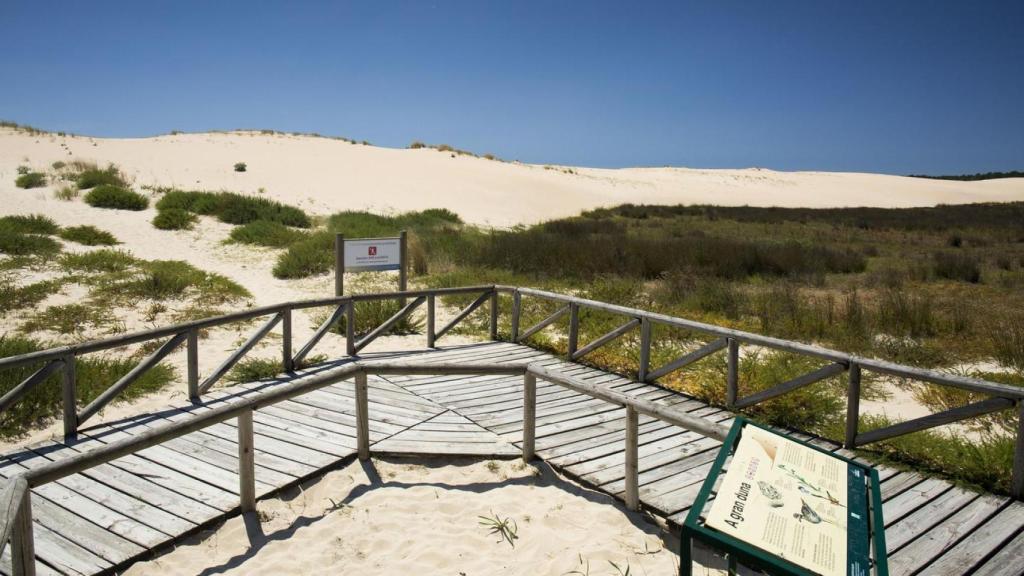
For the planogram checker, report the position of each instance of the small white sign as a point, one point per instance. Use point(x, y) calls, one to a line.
point(373, 254)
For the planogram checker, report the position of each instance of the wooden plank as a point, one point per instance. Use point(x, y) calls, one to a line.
point(1007, 561)
point(929, 546)
point(979, 544)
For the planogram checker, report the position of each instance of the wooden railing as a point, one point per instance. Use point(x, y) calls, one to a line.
point(15, 501)
point(1000, 396)
point(63, 358)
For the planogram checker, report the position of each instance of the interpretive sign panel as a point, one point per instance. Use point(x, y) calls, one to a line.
point(373, 254)
point(788, 507)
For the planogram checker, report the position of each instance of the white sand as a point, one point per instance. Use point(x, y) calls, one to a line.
point(420, 517)
point(324, 175)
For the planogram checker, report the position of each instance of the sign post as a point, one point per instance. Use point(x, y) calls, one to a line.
point(369, 254)
point(786, 507)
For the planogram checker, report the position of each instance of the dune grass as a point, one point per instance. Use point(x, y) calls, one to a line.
point(31, 180)
point(174, 219)
point(232, 208)
point(253, 369)
point(266, 233)
point(29, 236)
point(13, 297)
point(88, 236)
point(94, 374)
point(88, 175)
point(116, 198)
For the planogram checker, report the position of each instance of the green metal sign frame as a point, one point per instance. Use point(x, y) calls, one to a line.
point(864, 530)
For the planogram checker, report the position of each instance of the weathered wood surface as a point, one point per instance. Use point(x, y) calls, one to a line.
point(103, 518)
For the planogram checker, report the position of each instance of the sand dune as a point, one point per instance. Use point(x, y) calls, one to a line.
point(325, 175)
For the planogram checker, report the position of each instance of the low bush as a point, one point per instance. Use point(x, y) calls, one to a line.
point(253, 369)
point(957, 266)
point(169, 279)
point(110, 196)
point(18, 244)
point(97, 261)
point(31, 180)
point(240, 167)
point(94, 374)
point(372, 313)
point(307, 257)
point(88, 236)
point(31, 224)
point(266, 233)
point(234, 208)
point(89, 176)
point(174, 219)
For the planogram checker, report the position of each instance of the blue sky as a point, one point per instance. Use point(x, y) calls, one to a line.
point(897, 87)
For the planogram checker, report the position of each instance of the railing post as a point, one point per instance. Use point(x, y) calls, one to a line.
point(350, 328)
point(517, 305)
point(362, 416)
point(287, 360)
point(339, 264)
point(193, 364)
point(23, 554)
point(852, 405)
point(431, 327)
point(529, 416)
point(1017, 480)
point(70, 397)
point(632, 495)
point(494, 315)
point(246, 463)
point(732, 383)
point(403, 262)
point(645, 350)
point(574, 329)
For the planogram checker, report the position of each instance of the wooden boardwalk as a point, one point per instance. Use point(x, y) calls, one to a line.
point(105, 518)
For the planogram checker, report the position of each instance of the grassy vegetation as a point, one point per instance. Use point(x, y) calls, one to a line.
point(13, 296)
point(266, 233)
point(234, 208)
point(240, 167)
point(28, 237)
point(88, 236)
point(94, 374)
point(252, 369)
point(31, 180)
point(88, 175)
point(111, 196)
point(174, 219)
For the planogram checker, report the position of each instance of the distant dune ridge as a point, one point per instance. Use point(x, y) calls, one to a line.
point(324, 175)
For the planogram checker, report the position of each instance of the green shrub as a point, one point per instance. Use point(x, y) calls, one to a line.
point(109, 196)
point(94, 374)
point(17, 244)
point(307, 257)
point(174, 219)
point(234, 208)
point(31, 180)
point(31, 224)
point(103, 260)
point(91, 177)
point(266, 233)
point(253, 369)
point(240, 167)
point(88, 236)
point(1008, 342)
point(372, 313)
point(170, 279)
point(957, 266)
